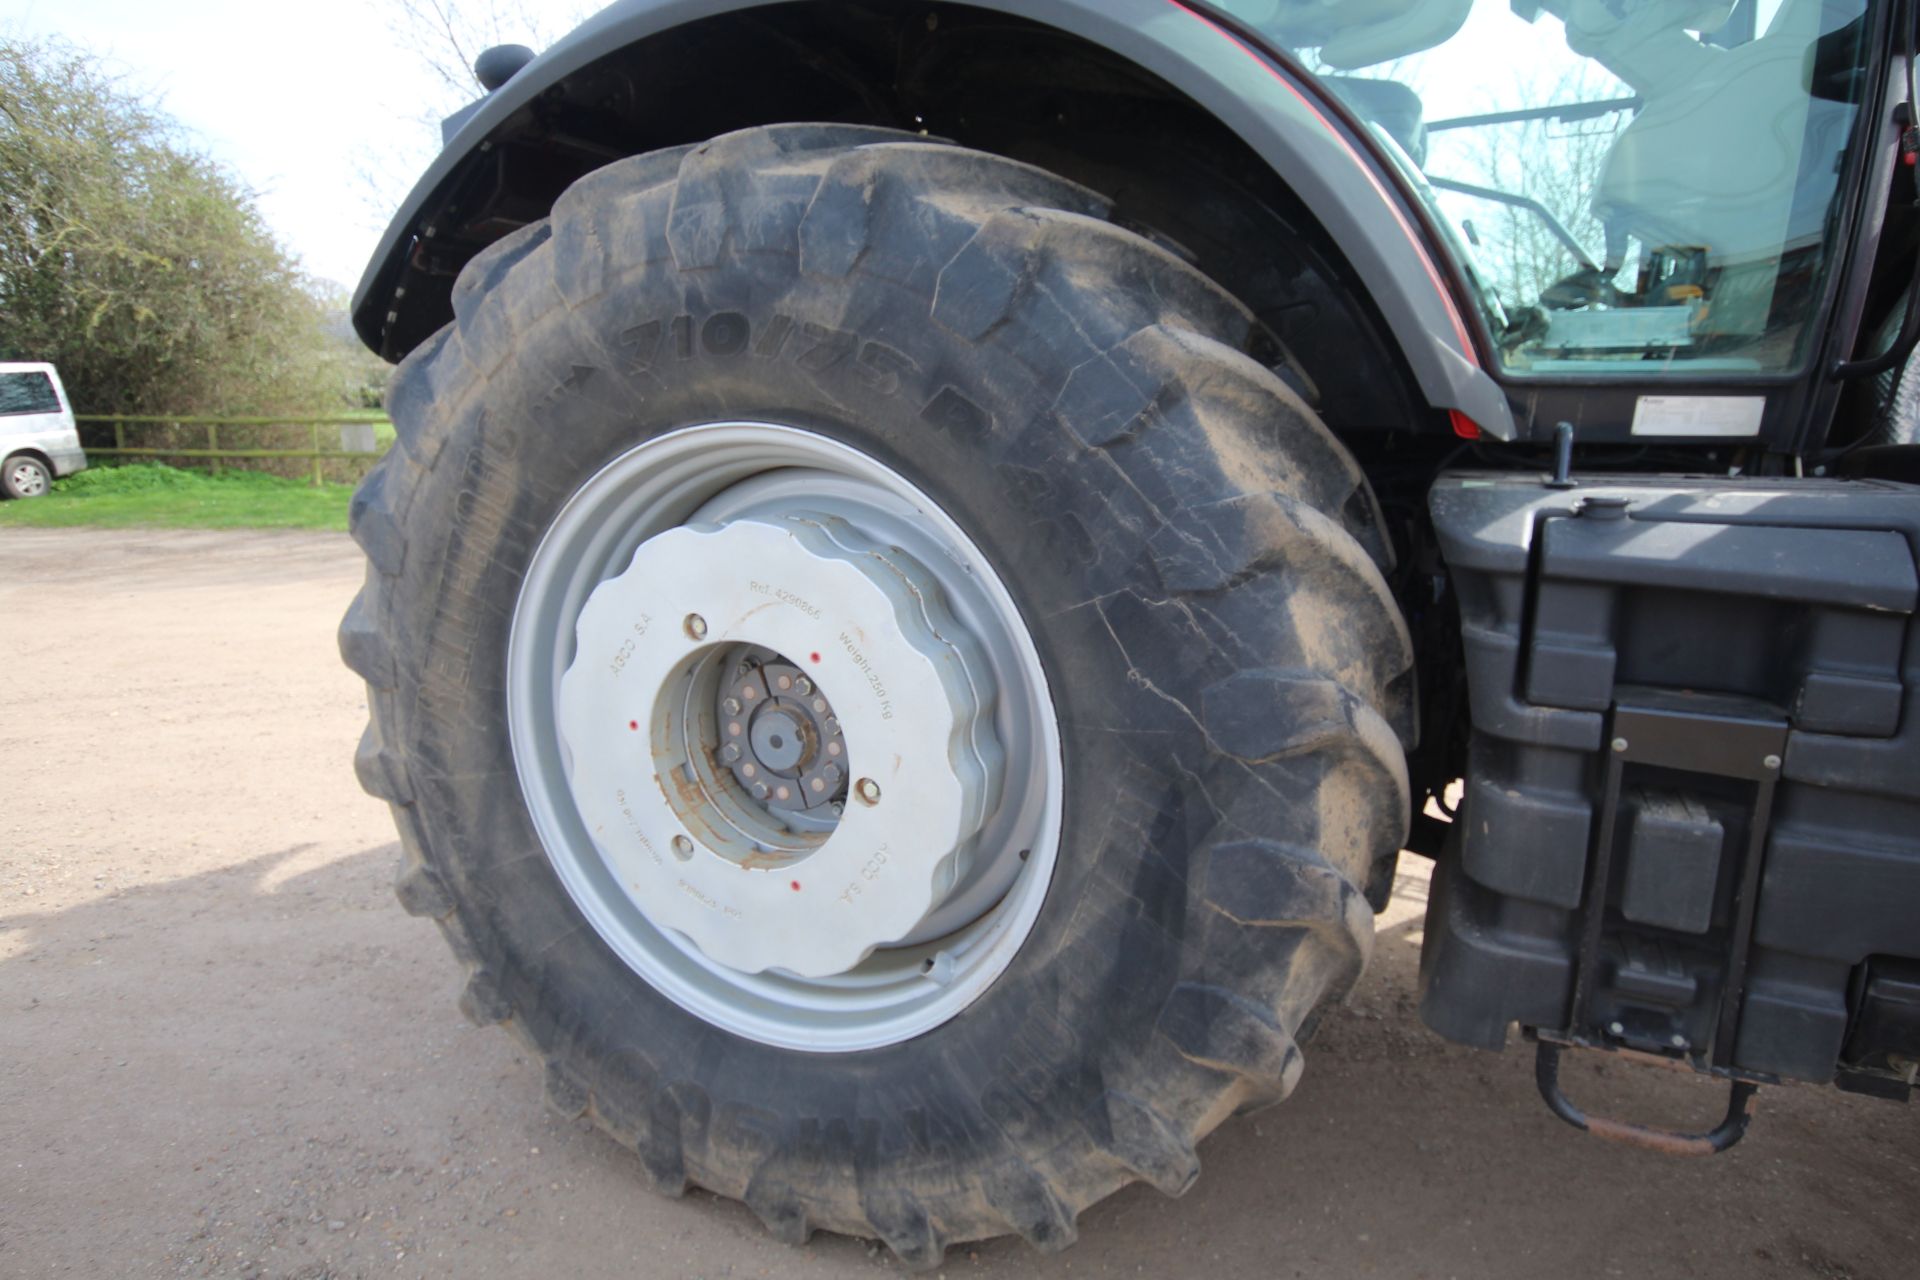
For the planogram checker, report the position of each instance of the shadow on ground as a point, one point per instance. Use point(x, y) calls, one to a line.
point(259, 1070)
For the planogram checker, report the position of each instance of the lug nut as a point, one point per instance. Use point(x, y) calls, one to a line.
point(696, 627)
point(761, 791)
point(868, 790)
point(831, 773)
point(731, 706)
point(730, 753)
point(803, 687)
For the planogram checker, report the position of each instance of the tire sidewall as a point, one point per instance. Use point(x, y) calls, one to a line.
point(1021, 1072)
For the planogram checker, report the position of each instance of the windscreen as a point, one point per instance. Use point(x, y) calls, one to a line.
point(1634, 186)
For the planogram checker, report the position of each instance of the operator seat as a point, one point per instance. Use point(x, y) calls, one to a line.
point(1361, 33)
point(1355, 33)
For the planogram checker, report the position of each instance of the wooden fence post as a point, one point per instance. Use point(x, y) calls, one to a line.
point(213, 446)
point(316, 455)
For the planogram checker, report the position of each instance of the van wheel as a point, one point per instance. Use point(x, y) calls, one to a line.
point(25, 477)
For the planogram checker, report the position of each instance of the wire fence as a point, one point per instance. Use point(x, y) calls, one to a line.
point(357, 443)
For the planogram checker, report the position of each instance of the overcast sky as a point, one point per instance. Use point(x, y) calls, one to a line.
point(312, 105)
point(321, 111)
point(315, 106)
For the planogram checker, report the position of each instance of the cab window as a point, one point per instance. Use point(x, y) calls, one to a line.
point(1635, 187)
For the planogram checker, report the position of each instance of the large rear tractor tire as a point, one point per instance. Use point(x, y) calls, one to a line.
point(879, 690)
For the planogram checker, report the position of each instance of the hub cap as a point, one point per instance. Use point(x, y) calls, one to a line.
point(29, 479)
point(708, 773)
point(785, 737)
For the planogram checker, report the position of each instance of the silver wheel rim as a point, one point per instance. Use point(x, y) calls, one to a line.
point(29, 479)
point(714, 476)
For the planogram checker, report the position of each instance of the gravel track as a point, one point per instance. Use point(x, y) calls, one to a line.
point(225, 1052)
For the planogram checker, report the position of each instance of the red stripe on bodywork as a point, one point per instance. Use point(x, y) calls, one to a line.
point(1386, 198)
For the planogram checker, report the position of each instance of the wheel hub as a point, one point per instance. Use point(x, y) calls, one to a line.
point(781, 738)
point(29, 481)
point(777, 828)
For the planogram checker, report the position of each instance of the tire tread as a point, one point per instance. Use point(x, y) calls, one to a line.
point(1256, 520)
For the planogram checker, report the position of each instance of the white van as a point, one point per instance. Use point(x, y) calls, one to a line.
point(37, 437)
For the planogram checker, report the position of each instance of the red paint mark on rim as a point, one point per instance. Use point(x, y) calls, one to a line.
point(1393, 206)
point(813, 657)
point(634, 725)
point(796, 886)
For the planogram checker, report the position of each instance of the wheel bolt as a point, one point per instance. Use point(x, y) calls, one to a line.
point(696, 626)
point(731, 706)
point(868, 790)
point(730, 753)
point(803, 687)
point(761, 791)
point(831, 773)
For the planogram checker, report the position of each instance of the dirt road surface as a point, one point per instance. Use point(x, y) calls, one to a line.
point(225, 1052)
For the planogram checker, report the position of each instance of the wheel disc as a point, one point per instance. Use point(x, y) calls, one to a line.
point(837, 862)
point(29, 480)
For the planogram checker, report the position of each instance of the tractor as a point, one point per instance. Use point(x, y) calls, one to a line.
point(938, 553)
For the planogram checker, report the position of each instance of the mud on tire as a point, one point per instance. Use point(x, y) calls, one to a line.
point(1198, 562)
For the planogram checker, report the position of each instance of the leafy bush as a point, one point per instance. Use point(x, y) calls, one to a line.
point(138, 265)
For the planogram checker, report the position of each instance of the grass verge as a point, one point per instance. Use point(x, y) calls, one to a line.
point(154, 496)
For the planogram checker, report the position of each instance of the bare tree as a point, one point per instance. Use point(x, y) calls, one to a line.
point(447, 35)
point(444, 37)
point(1560, 164)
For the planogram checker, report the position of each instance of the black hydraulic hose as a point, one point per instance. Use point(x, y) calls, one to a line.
point(1895, 355)
point(1909, 336)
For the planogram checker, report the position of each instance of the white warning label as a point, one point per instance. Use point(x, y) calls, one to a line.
point(1716, 416)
